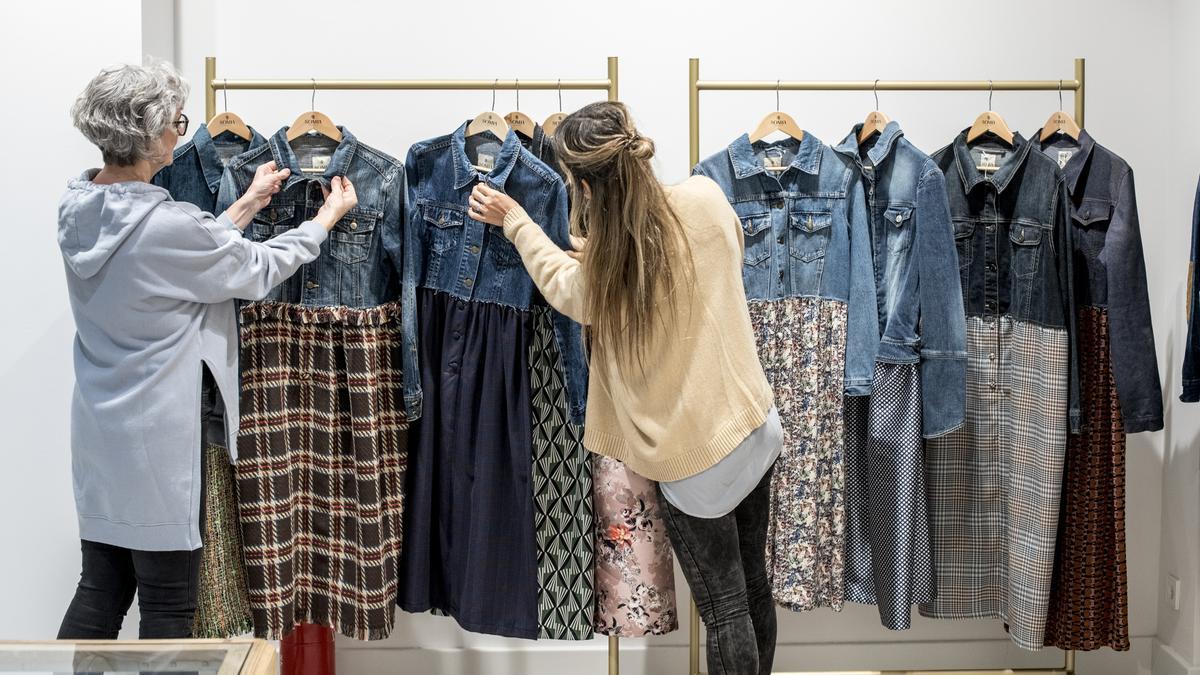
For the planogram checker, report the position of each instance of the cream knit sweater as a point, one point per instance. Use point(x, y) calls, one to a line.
point(703, 390)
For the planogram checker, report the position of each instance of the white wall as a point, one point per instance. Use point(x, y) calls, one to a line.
point(49, 50)
point(1180, 551)
point(1129, 47)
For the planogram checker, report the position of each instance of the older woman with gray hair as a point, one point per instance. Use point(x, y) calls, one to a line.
point(152, 284)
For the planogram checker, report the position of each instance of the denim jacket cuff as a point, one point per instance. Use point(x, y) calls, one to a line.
point(858, 387)
point(1191, 391)
point(1076, 422)
point(1136, 425)
point(412, 406)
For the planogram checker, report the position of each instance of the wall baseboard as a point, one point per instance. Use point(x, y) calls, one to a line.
point(592, 658)
point(1167, 661)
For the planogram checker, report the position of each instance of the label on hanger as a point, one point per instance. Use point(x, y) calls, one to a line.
point(486, 162)
point(320, 162)
point(1064, 156)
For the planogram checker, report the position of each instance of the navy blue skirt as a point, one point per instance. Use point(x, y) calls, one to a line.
point(469, 546)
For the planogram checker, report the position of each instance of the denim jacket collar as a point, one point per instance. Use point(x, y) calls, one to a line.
point(745, 164)
point(464, 171)
point(878, 152)
point(1075, 165)
point(971, 176)
point(339, 163)
point(210, 162)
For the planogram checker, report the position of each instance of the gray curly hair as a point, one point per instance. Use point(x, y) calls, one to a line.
point(125, 110)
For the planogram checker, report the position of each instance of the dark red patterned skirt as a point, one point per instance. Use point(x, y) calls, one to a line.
point(1089, 597)
point(322, 453)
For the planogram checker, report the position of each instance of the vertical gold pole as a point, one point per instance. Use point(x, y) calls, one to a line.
point(1080, 92)
point(210, 94)
point(693, 113)
point(613, 90)
point(694, 633)
point(614, 655)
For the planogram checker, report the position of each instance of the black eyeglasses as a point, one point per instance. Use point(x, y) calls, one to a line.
point(181, 125)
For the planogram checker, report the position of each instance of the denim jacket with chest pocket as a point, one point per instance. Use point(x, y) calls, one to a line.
point(805, 231)
point(194, 175)
point(918, 294)
point(1110, 270)
point(361, 262)
point(451, 252)
point(1014, 245)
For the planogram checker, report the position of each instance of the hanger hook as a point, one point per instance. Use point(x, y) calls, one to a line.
point(1060, 105)
point(875, 90)
point(313, 102)
point(777, 86)
point(495, 85)
point(225, 94)
point(989, 94)
point(518, 81)
point(560, 94)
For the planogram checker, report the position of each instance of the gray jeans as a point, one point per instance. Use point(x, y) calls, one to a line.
point(723, 560)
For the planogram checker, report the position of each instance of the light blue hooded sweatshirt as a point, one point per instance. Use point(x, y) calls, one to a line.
point(152, 284)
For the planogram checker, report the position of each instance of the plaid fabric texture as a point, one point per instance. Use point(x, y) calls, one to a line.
point(995, 485)
point(802, 347)
point(1089, 599)
point(322, 454)
point(223, 602)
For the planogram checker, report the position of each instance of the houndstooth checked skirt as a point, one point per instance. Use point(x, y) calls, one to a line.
point(322, 452)
point(995, 485)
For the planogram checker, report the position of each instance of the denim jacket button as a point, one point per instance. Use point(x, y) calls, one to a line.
point(780, 240)
point(467, 282)
point(899, 219)
point(310, 284)
point(354, 224)
point(474, 250)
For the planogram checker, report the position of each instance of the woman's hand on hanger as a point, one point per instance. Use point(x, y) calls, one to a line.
point(490, 206)
point(340, 197)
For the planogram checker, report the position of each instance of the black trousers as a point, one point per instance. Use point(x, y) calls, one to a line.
point(165, 582)
point(723, 560)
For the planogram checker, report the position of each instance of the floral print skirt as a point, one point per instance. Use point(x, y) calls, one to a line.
point(635, 570)
point(802, 347)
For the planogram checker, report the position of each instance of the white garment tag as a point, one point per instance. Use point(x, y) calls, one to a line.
point(320, 162)
point(486, 162)
point(1064, 156)
point(988, 161)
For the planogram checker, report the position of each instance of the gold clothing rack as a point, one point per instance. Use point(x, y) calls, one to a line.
point(609, 84)
point(696, 85)
point(212, 84)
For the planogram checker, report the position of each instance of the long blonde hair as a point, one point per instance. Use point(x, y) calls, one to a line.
point(635, 239)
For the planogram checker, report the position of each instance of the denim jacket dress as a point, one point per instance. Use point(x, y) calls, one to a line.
point(1110, 272)
point(1191, 350)
point(361, 262)
point(194, 174)
point(451, 252)
point(919, 296)
point(805, 231)
point(1014, 246)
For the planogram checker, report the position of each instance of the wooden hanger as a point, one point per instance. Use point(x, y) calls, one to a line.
point(519, 121)
point(489, 120)
point(990, 122)
point(227, 121)
point(552, 122)
point(777, 121)
point(1060, 122)
point(314, 122)
point(875, 122)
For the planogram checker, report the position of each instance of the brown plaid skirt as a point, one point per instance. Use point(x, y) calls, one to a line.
point(322, 453)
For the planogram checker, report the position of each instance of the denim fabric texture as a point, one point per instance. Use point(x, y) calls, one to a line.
point(806, 233)
point(451, 252)
point(917, 288)
point(194, 174)
point(1110, 270)
point(724, 564)
point(1191, 353)
point(1014, 245)
point(361, 263)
